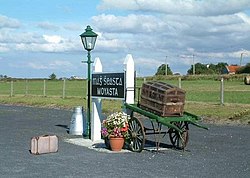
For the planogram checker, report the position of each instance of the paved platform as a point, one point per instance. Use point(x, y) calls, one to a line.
point(223, 151)
point(100, 146)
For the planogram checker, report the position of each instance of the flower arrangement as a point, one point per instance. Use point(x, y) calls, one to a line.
point(116, 125)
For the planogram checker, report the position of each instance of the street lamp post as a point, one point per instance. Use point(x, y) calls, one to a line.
point(88, 40)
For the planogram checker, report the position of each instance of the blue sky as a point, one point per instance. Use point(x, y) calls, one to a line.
point(40, 37)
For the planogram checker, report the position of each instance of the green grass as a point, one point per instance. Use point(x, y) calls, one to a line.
point(237, 113)
point(73, 88)
point(209, 90)
point(202, 97)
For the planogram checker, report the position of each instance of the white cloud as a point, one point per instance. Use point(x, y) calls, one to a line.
point(9, 36)
point(48, 26)
point(174, 32)
point(7, 22)
point(48, 47)
point(35, 42)
point(3, 48)
point(127, 24)
point(111, 45)
point(53, 38)
point(73, 27)
point(36, 66)
point(212, 30)
point(244, 17)
point(60, 64)
point(180, 7)
point(57, 64)
point(48, 43)
point(147, 62)
point(237, 54)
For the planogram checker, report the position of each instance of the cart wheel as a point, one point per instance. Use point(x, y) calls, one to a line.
point(179, 140)
point(137, 135)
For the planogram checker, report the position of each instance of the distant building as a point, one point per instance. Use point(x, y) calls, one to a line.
point(73, 77)
point(231, 69)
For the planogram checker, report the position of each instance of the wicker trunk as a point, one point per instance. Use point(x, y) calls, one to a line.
point(162, 99)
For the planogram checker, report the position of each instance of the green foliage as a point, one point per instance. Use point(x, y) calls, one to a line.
point(236, 77)
point(207, 68)
point(162, 70)
point(52, 76)
point(244, 69)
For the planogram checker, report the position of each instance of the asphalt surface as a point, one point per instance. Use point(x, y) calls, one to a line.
point(222, 151)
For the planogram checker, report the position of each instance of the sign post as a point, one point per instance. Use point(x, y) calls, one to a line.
point(110, 86)
point(129, 67)
point(96, 108)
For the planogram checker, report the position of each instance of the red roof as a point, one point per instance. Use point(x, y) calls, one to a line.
point(232, 69)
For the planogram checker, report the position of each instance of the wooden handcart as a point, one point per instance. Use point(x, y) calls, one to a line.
point(163, 105)
point(177, 128)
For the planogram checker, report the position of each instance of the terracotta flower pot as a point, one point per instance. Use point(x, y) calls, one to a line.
point(116, 143)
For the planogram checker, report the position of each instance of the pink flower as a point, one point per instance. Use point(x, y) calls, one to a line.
point(117, 132)
point(104, 132)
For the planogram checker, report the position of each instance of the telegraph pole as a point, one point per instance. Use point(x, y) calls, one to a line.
point(193, 66)
point(241, 56)
point(166, 68)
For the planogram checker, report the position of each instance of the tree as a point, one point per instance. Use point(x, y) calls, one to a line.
point(162, 70)
point(208, 68)
point(244, 69)
point(220, 67)
point(52, 76)
point(199, 69)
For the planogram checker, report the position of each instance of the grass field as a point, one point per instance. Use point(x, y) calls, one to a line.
point(76, 88)
point(202, 97)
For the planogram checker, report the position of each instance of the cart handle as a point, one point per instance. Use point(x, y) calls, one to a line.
point(188, 117)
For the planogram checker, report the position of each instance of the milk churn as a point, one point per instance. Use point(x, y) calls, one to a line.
point(76, 124)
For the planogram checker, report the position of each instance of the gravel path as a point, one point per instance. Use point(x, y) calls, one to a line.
point(222, 151)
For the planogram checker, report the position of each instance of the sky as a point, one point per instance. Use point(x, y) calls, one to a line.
point(41, 37)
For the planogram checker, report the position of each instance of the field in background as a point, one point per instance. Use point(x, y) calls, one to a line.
point(235, 91)
point(202, 96)
point(54, 88)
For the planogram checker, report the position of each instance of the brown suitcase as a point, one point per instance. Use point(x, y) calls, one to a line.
point(44, 144)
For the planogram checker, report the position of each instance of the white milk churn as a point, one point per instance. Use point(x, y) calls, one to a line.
point(76, 124)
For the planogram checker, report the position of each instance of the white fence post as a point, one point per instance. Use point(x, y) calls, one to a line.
point(11, 88)
point(130, 76)
point(96, 108)
point(64, 85)
point(179, 79)
point(26, 87)
point(44, 88)
point(222, 91)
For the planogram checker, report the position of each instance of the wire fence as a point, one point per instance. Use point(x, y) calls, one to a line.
point(230, 91)
point(57, 88)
